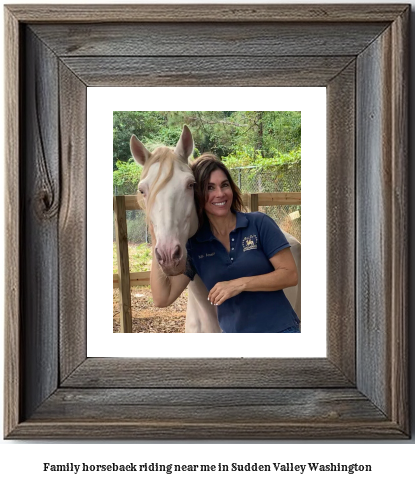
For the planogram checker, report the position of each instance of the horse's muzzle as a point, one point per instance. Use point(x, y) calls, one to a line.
point(175, 269)
point(170, 257)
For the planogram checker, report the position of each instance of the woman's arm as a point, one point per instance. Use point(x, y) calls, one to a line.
point(165, 289)
point(283, 276)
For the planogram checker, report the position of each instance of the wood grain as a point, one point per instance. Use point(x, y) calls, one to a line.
point(374, 165)
point(213, 405)
point(252, 202)
point(131, 202)
point(254, 430)
point(400, 233)
point(39, 217)
point(207, 373)
point(121, 237)
point(276, 198)
point(341, 236)
point(72, 222)
point(140, 278)
point(13, 383)
point(382, 214)
point(206, 71)
point(236, 39)
point(205, 13)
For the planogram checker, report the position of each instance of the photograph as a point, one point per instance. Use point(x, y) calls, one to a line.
point(214, 238)
point(158, 164)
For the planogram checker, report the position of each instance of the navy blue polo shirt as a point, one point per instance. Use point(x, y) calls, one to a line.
point(255, 239)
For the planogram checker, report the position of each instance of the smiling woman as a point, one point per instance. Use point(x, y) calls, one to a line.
point(215, 192)
point(243, 259)
point(219, 197)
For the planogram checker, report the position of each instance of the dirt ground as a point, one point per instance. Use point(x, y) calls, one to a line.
point(148, 318)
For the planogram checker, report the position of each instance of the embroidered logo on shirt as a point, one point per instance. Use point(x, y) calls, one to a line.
point(250, 242)
point(206, 255)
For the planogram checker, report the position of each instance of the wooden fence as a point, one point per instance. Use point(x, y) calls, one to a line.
point(124, 279)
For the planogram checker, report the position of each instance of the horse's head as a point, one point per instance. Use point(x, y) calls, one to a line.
point(167, 188)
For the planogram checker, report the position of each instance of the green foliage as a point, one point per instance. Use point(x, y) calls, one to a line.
point(270, 133)
point(126, 177)
point(261, 139)
point(145, 125)
point(139, 257)
point(244, 157)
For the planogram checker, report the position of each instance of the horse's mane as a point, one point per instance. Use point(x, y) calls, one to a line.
point(166, 157)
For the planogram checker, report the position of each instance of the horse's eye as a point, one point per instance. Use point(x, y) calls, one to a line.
point(191, 186)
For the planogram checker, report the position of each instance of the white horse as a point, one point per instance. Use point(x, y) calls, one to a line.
point(166, 186)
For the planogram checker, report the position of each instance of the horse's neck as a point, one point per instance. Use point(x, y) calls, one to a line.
point(201, 315)
point(194, 223)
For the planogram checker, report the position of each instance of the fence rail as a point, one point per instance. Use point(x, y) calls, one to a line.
point(264, 199)
point(140, 278)
point(124, 279)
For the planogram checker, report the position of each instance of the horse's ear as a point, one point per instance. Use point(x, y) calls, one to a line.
point(139, 152)
point(185, 146)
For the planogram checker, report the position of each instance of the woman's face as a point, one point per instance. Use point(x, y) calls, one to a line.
point(219, 194)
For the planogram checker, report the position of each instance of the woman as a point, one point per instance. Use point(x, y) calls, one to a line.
point(243, 259)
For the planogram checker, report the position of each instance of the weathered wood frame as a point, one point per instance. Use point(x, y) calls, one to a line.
point(359, 52)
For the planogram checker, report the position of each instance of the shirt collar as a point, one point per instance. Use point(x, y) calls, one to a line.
point(204, 234)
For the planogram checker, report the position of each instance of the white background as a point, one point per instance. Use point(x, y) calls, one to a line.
point(311, 101)
point(21, 462)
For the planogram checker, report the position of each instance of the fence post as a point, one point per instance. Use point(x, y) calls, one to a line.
point(123, 263)
point(253, 202)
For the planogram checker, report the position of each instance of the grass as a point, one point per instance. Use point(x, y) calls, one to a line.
point(139, 254)
point(146, 317)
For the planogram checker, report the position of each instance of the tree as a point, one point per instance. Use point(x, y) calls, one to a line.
point(244, 138)
point(145, 125)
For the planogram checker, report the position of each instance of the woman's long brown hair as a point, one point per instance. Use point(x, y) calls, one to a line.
point(202, 167)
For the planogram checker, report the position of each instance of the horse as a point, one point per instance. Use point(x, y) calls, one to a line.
point(166, 192)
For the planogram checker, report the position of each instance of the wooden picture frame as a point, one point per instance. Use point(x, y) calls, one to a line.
point(360, 53)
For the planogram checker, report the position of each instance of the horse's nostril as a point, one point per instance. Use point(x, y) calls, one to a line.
point(158, 256)
point(177, 253)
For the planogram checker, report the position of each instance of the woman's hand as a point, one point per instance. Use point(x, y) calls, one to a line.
point(283, 276)
point(224, 290)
